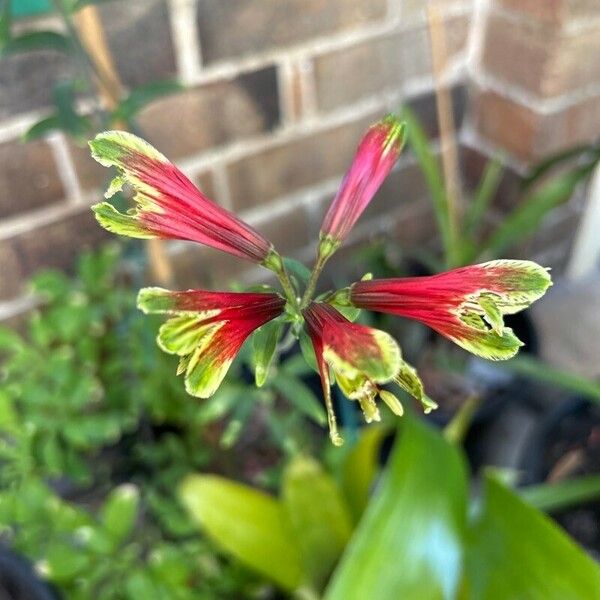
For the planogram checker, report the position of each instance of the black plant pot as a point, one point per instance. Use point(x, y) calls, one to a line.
point(18, 580)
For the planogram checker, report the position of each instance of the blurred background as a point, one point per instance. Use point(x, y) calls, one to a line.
point(262, 104)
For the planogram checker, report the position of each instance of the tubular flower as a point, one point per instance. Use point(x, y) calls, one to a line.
point(208, 329)
point(376, 155)
point(167, 204)
point(465, 305)
point(361, 358)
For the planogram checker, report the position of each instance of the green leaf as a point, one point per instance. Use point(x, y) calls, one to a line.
point(524, 219)
point(69, 120)
point(300, 396)
point(264, 343)
point(318, 514)
point(409, 541)
point(41, 128)
point(38, 40)
point(248, 524)
point(141, 96)
point(64, 562)
point(486, 190)
point(536, 369)
point(5, 23)
point(360, 467)
point(297, 269)
point(307, 350)
point(514, 551)
point(556, 496)
point(434, 179)
point(120, 512)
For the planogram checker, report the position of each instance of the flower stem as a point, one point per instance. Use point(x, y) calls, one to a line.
point(312, 282)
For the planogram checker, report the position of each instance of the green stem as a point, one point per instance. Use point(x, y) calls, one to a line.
point(312, 282)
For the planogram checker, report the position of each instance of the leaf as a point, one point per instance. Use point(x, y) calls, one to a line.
point(297, 269)
point(556, 496)
point(69, 120)
point(38, 40)
point(307, 350)
point(300, 396)
point(524, 219)
point(79, 4)
point(318, 514)
point(486, 190)
point(360, 468)
point(248, 524)
point(434, 180)
point(64, 562)
point(408, 543)
point(141, 96)
point(5, 23)
point(41, 128)
point(536, 369)
point(120, 511)
point(264, 343)
point(514, 551)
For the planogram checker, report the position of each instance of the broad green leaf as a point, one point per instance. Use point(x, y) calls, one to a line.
point(264, 343)
point(120, 511)
point(318, 514)
point(555, 496)
point(37, 40)
point(64, 562)
point(360, 467)
point(524, 219)
point(434, 179)
point(514, 551)
point(248, 524)
point(300, 396)
point(297, 269)
point(536, 369)
point(409, 542)
point(141, 96)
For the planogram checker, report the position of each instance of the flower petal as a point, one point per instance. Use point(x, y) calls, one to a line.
point(168, 205)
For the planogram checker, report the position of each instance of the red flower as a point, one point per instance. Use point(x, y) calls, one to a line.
point(168, 205)
point(361, 358)
point(376, 155)
point(209, 329)
point(465, 305)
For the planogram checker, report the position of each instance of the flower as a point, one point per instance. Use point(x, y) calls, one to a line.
point(465, 305)
point(361, 359)
point(208, 330)
point(376, 155)
point(168, 205)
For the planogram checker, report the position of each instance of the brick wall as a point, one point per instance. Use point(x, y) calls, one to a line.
point(277, 95)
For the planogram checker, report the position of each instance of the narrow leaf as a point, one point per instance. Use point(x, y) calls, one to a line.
point(484, 195)
point(141, 96)
point(38, 40)
point(297, 269)
point(120, 511)
point(264, 343)
point(555, 496)
point(300, 396)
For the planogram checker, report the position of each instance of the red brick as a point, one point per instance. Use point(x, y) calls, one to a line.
point(139, 37)
point(552, 11)
point(288, 167)
point(12, 275)
point(370, 68)
point(415, 11)
point(288, 232)
point(28, 177)
point(241, 27)
point(91, 174)
point(213, 114)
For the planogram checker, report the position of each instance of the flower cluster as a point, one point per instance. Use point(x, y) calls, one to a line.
point(206, 329)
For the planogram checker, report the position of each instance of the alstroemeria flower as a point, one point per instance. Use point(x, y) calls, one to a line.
point(208, 330)
point(376, 155)
point(465, 305)
point(361, 358)
point(167, 204)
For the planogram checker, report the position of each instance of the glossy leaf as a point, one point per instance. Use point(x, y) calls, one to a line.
point(360, 467)
point(264, 343)
point(248, 524)
point(409, 541)
point(300, 272)
point(514, 551)
point(318, 514)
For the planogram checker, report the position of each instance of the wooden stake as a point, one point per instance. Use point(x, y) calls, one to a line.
point(91, 33)
point(445, 115)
